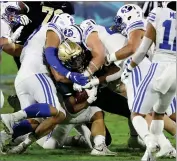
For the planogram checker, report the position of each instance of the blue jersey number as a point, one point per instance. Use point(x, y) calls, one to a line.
point(165, 45)
point(31, 36)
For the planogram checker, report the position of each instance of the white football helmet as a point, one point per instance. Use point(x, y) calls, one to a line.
point(127, 14)
point(73, 33)
point(87, 23)
point(63, 20)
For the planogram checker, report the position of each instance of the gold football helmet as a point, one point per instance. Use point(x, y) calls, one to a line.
point(72, 56)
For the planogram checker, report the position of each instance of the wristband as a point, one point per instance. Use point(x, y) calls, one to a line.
point(113, 57)
point(129, 67)
point(9, 40)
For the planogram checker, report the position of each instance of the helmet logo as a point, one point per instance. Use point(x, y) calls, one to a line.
point(68, 33)
point(126, 9)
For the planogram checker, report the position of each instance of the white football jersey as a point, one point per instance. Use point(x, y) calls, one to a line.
point(135, 24)
point(5, 29)
point(164, 22)
point(33, 52)
point(111, 39)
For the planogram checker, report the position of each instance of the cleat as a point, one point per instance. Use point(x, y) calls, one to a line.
point(167, 152)
point(22, 146)
point(18, 149)
point(151, 144)
point(135, 144)
point(8, 122)
point(14, 102)
point(148, 157)
point(102, 150)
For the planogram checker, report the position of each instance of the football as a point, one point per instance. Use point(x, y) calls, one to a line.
point(24, 7)
point(81, 96)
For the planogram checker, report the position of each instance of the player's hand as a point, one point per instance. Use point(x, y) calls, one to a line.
point(24, 20)
point(78, 78)
point(16, 34)
point(92, 94)
point(111, 58)
point(126, 73)
point(93, 82)
point(77, 87)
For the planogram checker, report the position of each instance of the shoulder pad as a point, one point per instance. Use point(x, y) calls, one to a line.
point(87, 31)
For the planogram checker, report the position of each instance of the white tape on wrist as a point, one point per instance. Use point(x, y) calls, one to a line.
point(113, 57)
point(129, 67)
point(114, 76)
point(9, 40)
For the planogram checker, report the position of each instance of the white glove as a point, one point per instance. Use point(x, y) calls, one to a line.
point(111, 58)
point(24, 20)
point(16, 34)
point(92, 94)
point(127, 71)
point(93, 82)
point(77, 87)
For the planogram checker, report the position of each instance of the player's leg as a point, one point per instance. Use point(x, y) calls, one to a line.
point(98, 132)
point(58, 137)
point(143, 102)
point(41, 87)
point(157, 124)
point(112, 102)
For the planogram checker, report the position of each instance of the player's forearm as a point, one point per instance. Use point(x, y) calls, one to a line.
point(112, 74)
point(58, 77)
point(4, 41)
point(80, 106)
point(95, 64)
point(141, 52)
point(13, 49)
point(125, 52)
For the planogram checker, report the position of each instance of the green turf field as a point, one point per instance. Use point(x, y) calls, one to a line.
point(117, 126)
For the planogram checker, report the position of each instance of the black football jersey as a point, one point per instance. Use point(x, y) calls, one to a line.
point(41, 13)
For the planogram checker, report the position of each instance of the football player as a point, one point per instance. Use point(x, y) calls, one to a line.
point(96, 81)
point(72, 52)
point(39, 13)
point(156, 92)
point(106, 98)
point(12, 14)
point(42, 90)
point(77, 112)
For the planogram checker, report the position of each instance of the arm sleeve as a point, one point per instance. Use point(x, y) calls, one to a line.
point(142, 50)
point(54, 62)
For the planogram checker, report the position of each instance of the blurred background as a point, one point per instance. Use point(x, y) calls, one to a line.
point(104, 12)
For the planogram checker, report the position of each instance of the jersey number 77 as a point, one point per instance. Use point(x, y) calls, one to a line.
point(50, 12)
